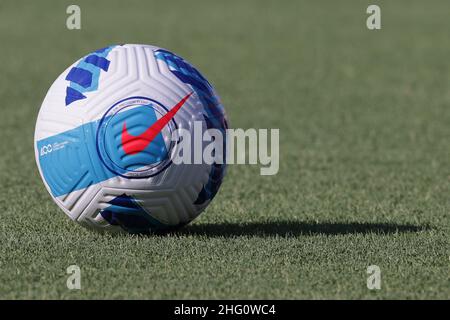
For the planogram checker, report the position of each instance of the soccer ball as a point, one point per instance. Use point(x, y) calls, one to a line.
point(104, 140)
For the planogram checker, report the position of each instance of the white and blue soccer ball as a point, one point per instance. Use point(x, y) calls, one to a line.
point(103, 140)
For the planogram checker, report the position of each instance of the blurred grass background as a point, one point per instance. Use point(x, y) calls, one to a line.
point(364, 129)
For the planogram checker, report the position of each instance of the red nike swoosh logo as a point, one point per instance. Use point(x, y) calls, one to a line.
point(135, 144)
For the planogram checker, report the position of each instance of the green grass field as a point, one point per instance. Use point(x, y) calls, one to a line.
point(364, 119)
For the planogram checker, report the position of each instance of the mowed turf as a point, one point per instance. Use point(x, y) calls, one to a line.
point(364, 119)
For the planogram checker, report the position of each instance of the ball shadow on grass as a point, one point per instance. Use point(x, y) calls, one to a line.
point(295, 228)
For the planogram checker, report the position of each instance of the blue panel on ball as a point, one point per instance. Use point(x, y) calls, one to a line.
point(214, 113)
point(125, 211)
point(100, 62)
point(69, 160)
point(85, 75)
point(80, 76)
point(73, 95)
